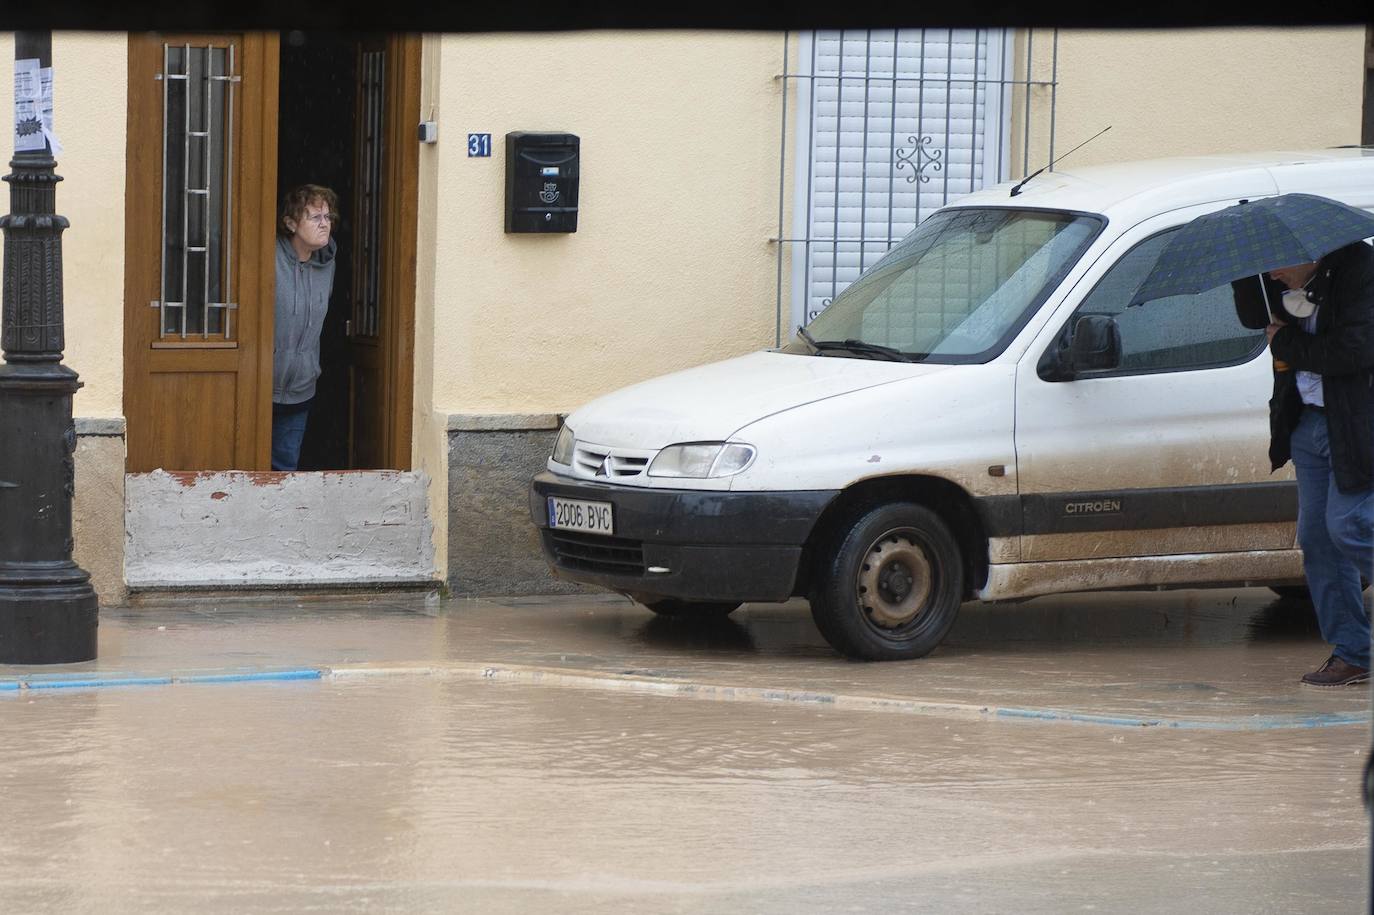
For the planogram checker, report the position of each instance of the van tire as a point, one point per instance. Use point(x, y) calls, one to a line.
point(688, 609)
point(900, 606)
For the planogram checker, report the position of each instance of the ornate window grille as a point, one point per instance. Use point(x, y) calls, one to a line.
point(886, 126)
point(196, 292)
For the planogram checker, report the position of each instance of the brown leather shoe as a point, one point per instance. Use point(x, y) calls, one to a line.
point(1336, 672)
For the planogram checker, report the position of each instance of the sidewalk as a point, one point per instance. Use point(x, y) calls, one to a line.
point(1217, 660)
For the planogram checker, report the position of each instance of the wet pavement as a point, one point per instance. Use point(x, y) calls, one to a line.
point(1218, 659)
point(1148, 752)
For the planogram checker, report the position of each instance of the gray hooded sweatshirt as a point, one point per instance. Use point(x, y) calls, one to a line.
point(302, 300)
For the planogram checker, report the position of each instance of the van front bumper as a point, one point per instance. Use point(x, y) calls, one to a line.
point(680, 543)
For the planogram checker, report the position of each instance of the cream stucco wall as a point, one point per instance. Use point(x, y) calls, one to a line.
point(90, 82)
point(1185, 91)
point(671, 264)
point(429, 447)
point(90, 85)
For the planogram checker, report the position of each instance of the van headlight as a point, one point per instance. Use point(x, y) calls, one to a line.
point(563, 446)
point(699, 460)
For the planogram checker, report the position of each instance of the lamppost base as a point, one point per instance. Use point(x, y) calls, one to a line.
point(49, 622)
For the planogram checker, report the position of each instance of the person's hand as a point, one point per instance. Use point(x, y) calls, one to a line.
point(1272, 329)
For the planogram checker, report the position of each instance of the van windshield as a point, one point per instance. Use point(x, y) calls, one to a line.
point(955, 290)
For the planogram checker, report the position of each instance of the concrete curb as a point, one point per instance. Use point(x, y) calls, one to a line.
point(630, 682)
point(633, 682)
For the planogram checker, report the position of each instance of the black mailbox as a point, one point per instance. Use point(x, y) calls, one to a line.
point(541, 182)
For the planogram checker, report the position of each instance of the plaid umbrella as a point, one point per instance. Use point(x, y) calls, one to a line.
point(1250, 238)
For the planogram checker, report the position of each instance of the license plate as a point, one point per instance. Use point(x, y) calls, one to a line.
point(576, 515)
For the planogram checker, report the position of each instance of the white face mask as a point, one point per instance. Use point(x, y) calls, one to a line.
point(1297, 303)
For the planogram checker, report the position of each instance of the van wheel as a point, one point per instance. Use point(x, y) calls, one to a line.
point(892, 587)
point(687, 609)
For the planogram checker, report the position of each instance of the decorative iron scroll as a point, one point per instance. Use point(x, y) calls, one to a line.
point(923, 157)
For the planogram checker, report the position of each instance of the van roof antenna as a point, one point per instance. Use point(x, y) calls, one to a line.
point(1016, 190)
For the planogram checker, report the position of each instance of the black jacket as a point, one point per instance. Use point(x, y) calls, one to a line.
point(1341, 351)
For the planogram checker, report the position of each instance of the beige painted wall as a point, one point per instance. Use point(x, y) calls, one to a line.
point(90, 79)
point(1185, 91)
point(670, 265)
point(429, 445)
point(90, 84)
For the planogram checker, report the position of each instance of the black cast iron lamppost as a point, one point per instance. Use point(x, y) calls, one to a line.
point(48, 609)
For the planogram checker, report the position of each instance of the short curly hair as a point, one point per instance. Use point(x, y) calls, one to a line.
point(297, 199)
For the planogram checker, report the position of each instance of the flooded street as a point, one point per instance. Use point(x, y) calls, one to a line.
point(410, 778)
point(431, 794)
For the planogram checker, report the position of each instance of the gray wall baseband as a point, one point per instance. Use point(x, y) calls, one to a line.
point(502, 422)
point(106, 426)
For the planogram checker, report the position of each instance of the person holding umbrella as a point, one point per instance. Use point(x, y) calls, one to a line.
point(1298, 269)
point(1322, 417)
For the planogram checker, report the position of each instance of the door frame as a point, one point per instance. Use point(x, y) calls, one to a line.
point(256, 214)
point(255, 277)
point(400, 226)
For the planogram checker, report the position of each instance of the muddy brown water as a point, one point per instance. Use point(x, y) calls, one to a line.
point(400, 794)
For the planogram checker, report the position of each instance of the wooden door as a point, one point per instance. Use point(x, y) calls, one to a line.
point(381, 322)
point(199, 236)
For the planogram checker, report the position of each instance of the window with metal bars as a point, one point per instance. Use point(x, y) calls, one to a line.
point(887, 126)
point(196, 291)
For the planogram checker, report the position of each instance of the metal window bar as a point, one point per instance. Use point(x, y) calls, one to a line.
point(375, 228)
point(228, 272)
point(984, 153)
point(839, 140)
point(367, 270)
point(782, 173)
point(920, 119)
point(209, 200)
point(1030, 53)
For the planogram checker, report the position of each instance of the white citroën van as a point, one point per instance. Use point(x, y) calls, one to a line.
point(979, 416)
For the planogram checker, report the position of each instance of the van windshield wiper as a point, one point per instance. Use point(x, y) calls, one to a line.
point(862, 347)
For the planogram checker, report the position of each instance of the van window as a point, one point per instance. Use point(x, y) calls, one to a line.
point(1171, 334)
point(958, 286)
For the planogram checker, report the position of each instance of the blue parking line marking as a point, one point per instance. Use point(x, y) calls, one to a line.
point(89, 681)
point(252, 676)
point(1256, 723)
point(67, 683)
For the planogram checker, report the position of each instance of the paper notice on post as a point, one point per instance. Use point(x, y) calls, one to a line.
point(28, 115)
point(45, 107)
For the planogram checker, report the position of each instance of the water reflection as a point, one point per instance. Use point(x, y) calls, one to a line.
point(1134, 619)
point(1284, 619)
point(711, 633)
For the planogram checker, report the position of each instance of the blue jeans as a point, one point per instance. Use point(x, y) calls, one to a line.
point(288, 429)
point(1336, 533)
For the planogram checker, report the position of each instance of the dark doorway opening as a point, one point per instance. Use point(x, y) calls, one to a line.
point(315, 145)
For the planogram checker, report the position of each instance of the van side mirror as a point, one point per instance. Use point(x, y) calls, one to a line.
point(1096, 344)
point(1093, 345)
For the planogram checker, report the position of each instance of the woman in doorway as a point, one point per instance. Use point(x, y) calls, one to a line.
point(305, 277)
